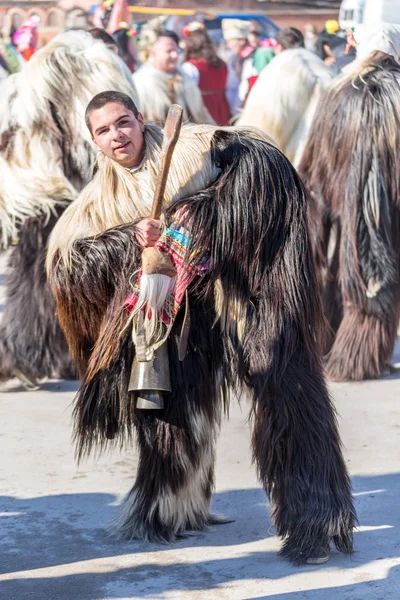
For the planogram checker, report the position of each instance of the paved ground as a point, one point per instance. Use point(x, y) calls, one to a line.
point(54, 543)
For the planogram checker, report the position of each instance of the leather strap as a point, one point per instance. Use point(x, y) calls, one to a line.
point(183, 341)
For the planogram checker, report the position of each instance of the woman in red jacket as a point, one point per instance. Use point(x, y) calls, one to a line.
point(209, 72)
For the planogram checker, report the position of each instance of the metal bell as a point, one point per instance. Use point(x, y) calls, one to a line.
point(151, 378)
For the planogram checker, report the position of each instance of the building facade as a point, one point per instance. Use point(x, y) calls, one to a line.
point(55, 16)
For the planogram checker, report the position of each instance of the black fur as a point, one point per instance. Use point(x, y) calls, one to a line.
point(31, 340)
point(350, 164)
point(252, 223)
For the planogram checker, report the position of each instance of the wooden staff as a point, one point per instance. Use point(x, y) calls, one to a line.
point(172, 130)
point(150, 378)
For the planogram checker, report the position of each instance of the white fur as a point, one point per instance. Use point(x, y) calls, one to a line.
point(154, 290)
point(116, 196)
point(283, 101)
point(156, 97)
point(65, 75)
point(189, 504)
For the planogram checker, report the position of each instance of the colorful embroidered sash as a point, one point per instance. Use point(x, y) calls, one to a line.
point(174, 242)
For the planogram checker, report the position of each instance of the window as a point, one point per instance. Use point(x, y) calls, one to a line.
point(349, 15)
point(55, 19)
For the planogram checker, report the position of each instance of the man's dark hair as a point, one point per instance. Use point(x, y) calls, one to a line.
point(101, 34)
point(104, 98)
point(290, 37)
point(169, 34)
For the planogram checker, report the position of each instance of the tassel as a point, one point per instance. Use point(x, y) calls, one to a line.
point(154, 291)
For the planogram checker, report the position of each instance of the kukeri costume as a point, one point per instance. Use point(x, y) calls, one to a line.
point(283, 101)
point(351, 166)
point(158, 90)
point(256, 321)
point(46, 158)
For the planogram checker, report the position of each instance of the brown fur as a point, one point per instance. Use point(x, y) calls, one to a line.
point(351, 165)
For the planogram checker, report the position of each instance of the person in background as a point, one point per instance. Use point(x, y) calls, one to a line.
point(332, 47)
point(124, 40)
point(310, 37)
point(262, 58)
point(327, 40)
point(101, 34)
point(25, 39)
point(9, 58)
point(160, 83)
point(288, 38)
point(254, 37)
point(283, 101)
point(239, 60)
point(209, 72)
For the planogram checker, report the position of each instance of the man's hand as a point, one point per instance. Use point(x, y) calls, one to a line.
point(147, 232)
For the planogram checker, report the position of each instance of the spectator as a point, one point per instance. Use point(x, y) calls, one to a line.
point(209, 72)
point(124, 39)
point(9, 59)
point(236, 33)
point(160, 83)
point(333, 49)
point(101, 34)
point(288, 37)
point(262, 58)
point(310, 37)
point(25, 39)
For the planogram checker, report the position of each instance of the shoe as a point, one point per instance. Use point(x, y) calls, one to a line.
point(320, 557)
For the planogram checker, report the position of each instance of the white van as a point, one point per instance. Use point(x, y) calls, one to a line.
point(351, 13)
point(368, 12)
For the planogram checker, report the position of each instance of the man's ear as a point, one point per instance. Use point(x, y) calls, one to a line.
point(140, 119)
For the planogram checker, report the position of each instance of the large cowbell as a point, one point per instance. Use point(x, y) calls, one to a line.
point(151, 378)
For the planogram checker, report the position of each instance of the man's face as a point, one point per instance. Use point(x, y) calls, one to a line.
point(236, 46)
point(118, 133)
point(165, 55)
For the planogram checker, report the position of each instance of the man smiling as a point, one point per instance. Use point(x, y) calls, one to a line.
point(117, 129)
point(160, 83)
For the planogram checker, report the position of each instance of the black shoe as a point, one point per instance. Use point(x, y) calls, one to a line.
point(320, 556)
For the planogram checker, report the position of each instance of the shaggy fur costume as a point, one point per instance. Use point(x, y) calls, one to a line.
point(256, 321)
point(46, 157)
point(284, 99)
point(351, 165)
point(158, 90)
point(31, 340)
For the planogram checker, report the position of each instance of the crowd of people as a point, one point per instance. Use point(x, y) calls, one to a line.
point(224, 75)
point(269, 229)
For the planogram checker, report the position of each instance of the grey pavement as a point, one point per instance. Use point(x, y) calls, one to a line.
point(54, 516)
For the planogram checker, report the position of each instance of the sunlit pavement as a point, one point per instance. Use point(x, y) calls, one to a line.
point(55, 545)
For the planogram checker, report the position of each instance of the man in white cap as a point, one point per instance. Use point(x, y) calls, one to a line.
point(235, 32)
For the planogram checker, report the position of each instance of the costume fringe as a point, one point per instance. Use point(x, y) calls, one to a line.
point(284, 99)
point(265, 266)
point(350, 164)
point(31, 341)
point(46, 157)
